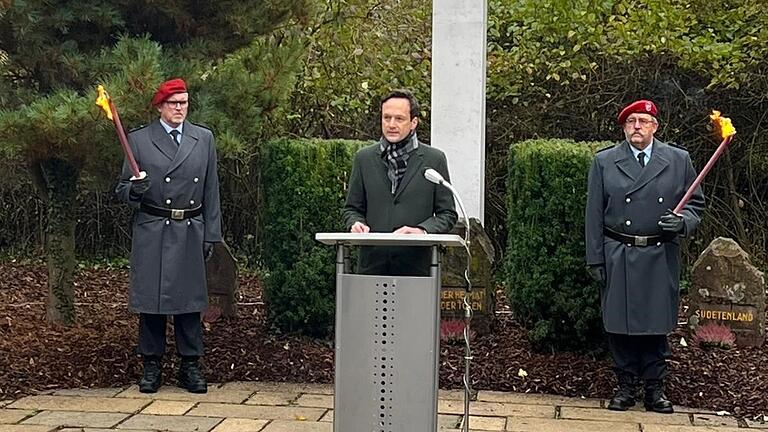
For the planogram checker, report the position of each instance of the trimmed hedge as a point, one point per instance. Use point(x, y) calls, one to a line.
point(546, 278)
point(304, 187)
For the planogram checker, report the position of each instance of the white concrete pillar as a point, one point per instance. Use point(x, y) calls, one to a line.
point(458, 95)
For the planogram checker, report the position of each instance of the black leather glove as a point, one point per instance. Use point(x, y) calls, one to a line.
point(207, 250)
point(671, 222)
point(139, 186)
point(597, 272)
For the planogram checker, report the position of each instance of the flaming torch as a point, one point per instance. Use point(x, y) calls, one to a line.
point(105, 102)
point(727, 131)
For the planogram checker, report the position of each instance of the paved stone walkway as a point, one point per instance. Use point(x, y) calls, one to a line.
point(265, 407)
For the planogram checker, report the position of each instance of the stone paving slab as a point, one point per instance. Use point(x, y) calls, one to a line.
point(255, 386)
point(298, 426)
point(103, 430)
point(215, 394)
point(668, 428)
point(496, 409)
point(76, 419)
point(519, 424)
point(170, 423)
point(77, 403)
point(257, 412)
point(534, 399)
point(8, 416)
point(626, 417)
point(713, 420)
point(487, 423)
point(240, 425)
point(165, 407)
point(26, 428)
point(273, 398)
point(315, 401)
point(99, 392)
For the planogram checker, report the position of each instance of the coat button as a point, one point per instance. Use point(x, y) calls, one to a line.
point(658, 244)
point(661, 200)
point(628, 223)
point(196, 179)
point(628, 200)
point(191, 202)
point(189, 223)
point(167, 179)
point(168, 201)
point(167, 222)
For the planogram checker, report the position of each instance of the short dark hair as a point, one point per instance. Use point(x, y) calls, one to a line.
point(403, 94)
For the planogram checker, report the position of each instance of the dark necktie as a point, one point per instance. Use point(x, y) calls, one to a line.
point(641, 159)
point(175, 134)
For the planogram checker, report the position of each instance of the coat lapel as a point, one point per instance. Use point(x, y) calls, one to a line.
point(162, 140)
point(189, 138)
point(659, 161)
point(626, 162)
point(415, 161)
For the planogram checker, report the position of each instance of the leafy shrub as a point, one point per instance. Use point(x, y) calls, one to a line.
point(304, 187)
point(714, 335)
point(546, 279)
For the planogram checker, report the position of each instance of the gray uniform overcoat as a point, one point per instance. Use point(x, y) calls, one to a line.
point(167, 266)
point(416, 202)
point(641, 293)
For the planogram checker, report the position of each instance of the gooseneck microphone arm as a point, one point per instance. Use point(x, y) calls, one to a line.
point(435, 177)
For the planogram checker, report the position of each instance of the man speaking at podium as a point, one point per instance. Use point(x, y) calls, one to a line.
point(389, 194)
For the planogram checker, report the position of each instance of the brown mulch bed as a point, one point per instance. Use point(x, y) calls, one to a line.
point(99, 351)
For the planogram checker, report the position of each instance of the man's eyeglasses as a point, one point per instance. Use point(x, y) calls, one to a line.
point(176, 104)
point(643, 122)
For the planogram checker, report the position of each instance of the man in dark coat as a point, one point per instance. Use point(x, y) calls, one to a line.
point(177, 223)
point(633, 247)
point(388, 191)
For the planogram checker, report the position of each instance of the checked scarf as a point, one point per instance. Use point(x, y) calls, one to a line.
point(396, 155)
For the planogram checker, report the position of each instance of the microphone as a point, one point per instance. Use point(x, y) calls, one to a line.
point(435, 177)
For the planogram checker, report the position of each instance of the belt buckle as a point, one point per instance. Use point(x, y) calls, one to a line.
point(641, 240)
point(177, 214)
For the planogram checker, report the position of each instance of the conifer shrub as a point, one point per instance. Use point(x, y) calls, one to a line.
point(545, 273)
point(304, 187)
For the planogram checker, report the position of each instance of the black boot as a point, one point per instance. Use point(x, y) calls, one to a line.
point(153, 375)
point(625, 395)
point(191, 377)
point(654, 397)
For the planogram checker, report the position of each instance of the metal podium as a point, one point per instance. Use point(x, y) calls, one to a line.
point(387, 339)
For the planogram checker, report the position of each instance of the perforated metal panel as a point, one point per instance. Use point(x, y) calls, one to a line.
point(387, 347)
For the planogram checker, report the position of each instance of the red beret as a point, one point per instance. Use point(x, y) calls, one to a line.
point(167, 89)
point(642, 106)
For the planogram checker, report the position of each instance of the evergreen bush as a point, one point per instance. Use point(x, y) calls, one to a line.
point(547, 283)
point(304, 187)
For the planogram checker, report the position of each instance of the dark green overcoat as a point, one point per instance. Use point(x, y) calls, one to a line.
point(416, 202)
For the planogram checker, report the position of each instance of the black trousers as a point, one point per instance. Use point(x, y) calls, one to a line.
point(640, 356)
point(186, 327)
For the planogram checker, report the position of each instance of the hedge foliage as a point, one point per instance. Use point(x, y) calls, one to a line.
point(546, 279)
point(304, 187)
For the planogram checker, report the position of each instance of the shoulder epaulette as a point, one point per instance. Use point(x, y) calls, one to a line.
point(606, 148)
point(200, 125)
point(137, 128)
point(676, 145)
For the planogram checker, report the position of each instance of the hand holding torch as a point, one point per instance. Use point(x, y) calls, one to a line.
point(105, 102)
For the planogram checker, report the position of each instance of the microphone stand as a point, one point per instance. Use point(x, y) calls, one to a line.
point(435, 177)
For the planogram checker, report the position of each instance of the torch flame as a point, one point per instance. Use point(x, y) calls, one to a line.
point(103, 101)
point(723, 124)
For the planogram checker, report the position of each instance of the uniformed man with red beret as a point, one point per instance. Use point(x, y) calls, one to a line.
point(177, 223)
point(633, 249)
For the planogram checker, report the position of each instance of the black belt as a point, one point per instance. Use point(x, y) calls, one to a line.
point(634, 240)
point(176, 214)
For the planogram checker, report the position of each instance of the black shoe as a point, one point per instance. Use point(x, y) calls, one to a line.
point(190, 377)
point(654, 398)
point(624, 398)
point(153, 375)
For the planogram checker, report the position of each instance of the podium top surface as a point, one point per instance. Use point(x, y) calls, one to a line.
point(389, 239)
